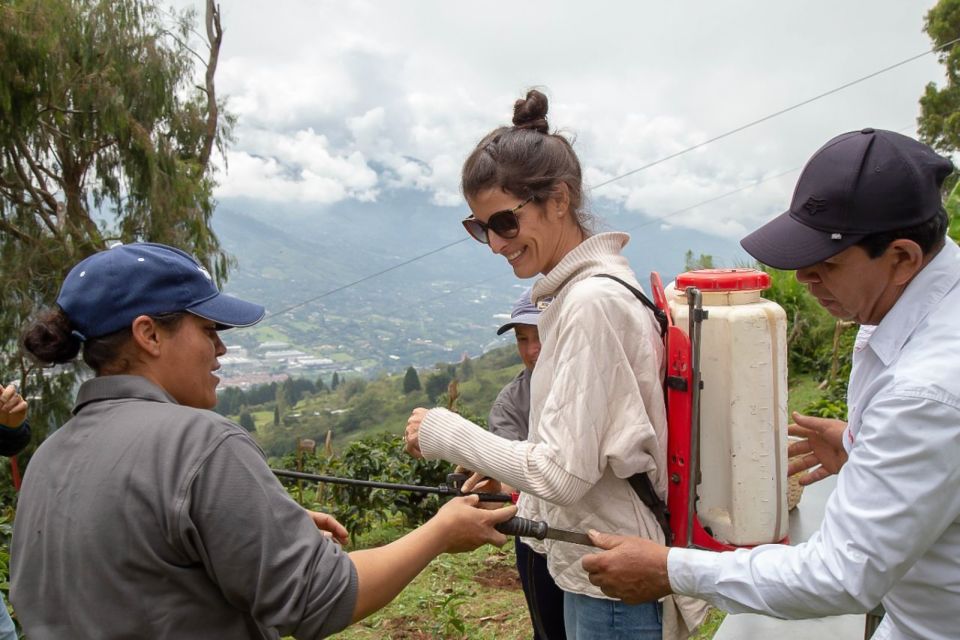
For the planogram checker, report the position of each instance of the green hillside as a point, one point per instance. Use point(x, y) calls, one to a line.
point(359, 407)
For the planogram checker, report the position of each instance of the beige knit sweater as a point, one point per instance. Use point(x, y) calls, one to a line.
point(596, 415)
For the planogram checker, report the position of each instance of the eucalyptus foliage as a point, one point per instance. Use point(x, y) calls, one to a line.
point(939, 122)
point(108, 120)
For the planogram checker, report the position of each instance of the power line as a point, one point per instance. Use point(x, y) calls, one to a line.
point(364, 278)
point(772, 115)
point(713, 199)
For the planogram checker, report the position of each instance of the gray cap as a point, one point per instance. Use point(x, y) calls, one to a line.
point(524, 312)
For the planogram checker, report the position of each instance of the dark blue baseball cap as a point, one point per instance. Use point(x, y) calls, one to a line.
point(106, 291)
point(859, 183)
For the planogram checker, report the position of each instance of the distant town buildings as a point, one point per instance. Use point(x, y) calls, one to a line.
point(270, 362)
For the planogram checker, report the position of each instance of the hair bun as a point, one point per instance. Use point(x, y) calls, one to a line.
point(531, 112)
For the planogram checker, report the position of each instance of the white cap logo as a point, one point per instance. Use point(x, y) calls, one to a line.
point(204, 272)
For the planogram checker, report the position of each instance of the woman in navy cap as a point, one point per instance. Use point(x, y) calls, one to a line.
point(149, 516)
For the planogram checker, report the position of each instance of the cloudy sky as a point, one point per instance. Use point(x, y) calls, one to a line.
point(347, 100)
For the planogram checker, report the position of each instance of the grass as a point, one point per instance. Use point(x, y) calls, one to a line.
point(803, 391)
point(475, 596)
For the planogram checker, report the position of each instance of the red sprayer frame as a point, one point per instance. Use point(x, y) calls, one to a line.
point(682, 387)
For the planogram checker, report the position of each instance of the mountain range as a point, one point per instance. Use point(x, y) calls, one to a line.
point(348, 280)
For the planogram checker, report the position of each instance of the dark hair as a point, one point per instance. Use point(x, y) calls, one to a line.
point(51, 339)
point(526, 159)
point(928, 234)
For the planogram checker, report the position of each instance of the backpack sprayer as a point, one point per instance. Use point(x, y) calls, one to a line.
point(740, 412)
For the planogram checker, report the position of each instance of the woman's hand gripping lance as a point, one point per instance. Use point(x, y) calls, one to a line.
point(515, 526)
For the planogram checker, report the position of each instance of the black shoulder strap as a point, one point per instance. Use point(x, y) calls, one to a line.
point(644, 487)
point(641, 482)
point(658, 313)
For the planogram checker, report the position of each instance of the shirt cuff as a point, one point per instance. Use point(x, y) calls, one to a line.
point(692, 572)
point(847, 439)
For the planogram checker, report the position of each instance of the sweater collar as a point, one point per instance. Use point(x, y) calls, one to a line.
point(596, 254)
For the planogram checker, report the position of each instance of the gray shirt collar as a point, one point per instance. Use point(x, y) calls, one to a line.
point(119, 387)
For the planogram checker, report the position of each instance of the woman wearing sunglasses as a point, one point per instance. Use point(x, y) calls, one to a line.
point(597, 415)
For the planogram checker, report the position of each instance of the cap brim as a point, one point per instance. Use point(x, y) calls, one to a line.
point(784, 243)
point(229, 311)
point(523, 318)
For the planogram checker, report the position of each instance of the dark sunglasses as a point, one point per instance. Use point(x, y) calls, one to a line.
point(504, 223)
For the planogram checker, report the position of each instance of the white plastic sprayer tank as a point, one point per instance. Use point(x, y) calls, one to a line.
point(743, 404)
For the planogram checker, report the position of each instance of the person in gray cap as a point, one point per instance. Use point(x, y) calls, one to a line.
point(510, 418)
point(510, 413)
point(148, 516)
point(866, 233)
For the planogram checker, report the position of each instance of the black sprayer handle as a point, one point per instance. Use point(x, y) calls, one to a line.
point(523, 527)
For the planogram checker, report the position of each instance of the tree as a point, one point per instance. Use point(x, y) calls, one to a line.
point(465, 370)
point(105, 135)
point(690, 263)
point(334, 381)
point(246, 421)
point(939, 121)
point(437, 384)
point(411, 381)
point(280, 400)
point(291, 395)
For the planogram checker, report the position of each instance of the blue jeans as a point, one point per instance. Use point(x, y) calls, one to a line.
point(7, 630)
point(589, 618)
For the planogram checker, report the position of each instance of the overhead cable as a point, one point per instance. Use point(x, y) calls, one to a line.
point(639, 169)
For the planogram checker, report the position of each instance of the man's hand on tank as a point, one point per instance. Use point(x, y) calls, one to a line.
point(821, 453)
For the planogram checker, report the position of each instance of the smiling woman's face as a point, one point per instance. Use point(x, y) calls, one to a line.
point(547, 232)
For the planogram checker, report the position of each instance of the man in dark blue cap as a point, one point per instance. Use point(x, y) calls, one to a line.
point(866, 233)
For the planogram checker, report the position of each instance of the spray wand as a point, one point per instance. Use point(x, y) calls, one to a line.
point(453, 487)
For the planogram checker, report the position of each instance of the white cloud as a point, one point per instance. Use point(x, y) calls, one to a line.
point(348, 100)
point(298, 168)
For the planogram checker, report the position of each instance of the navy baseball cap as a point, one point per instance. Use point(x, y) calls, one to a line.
point(106, 291)
point(859, 183)
point(524, 312)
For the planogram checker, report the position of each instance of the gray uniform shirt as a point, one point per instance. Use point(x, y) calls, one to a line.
point(510, 413)
point(142, 518)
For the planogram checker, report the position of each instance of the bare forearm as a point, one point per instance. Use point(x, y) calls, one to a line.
point(383, 572)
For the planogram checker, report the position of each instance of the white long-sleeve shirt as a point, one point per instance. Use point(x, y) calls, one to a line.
point(891, 529)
